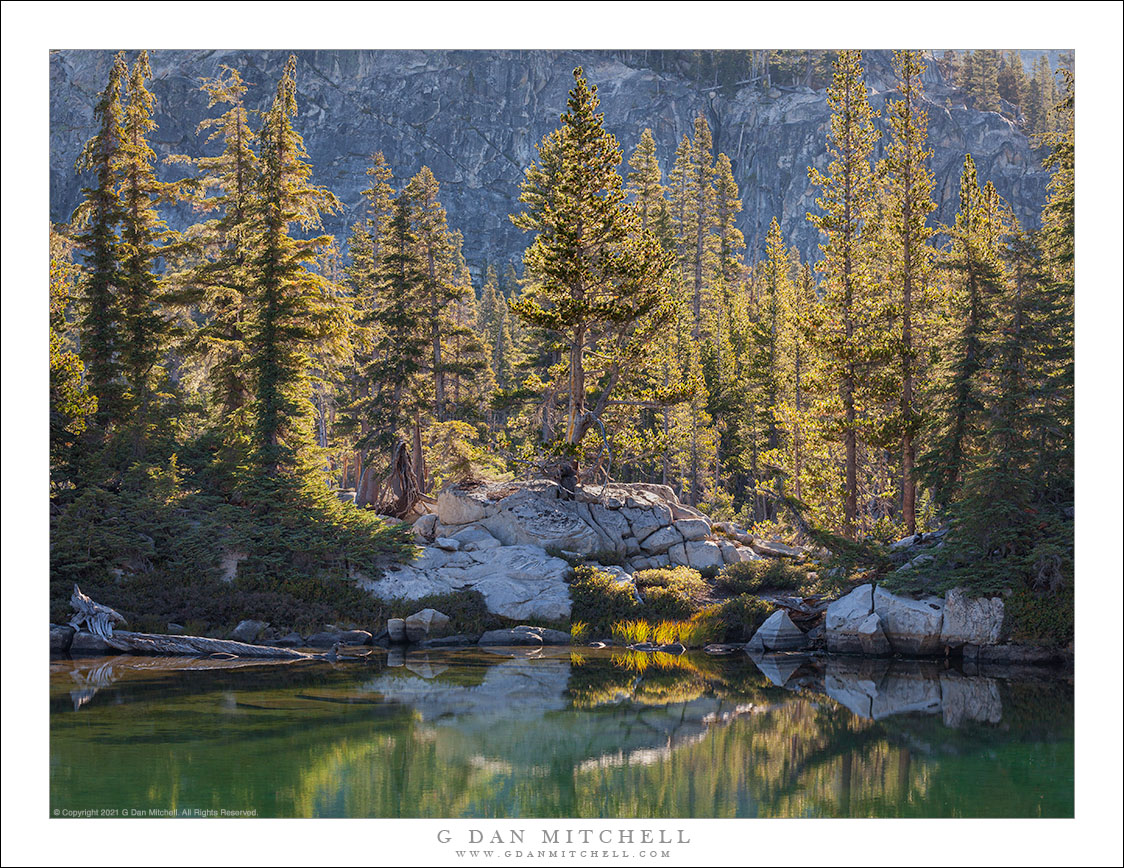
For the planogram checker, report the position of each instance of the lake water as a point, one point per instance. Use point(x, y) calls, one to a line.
point(555, 733)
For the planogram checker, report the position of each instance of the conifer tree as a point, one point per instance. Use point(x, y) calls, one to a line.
point(1056, 465)
point(292, 303)
point(219, 284)
point(977, 280)
point(494, 322)
point(442, 291)
point(846, 203)
point(699, 218)
point(984, 79)
point(909, 191)
point(645, 182)
point(600, 279)
point(796, 315)
point(99, 217)
point(366, 244)
point(765, 366)
point(398, 375)
point(72, 407)
point(468, 355)
point(144, 240)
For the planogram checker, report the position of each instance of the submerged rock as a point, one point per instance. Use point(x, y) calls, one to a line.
point(511, 637)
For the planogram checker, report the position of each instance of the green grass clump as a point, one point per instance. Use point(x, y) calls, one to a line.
point(771, 574)
point(579, 632)
point(631, 632)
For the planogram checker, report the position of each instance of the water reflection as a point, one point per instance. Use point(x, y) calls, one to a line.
point(549, 733)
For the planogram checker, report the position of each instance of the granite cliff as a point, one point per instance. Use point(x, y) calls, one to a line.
point(474, 117)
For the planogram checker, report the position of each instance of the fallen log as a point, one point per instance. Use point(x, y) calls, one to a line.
point(199, 646)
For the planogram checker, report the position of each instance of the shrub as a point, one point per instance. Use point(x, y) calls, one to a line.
point(599, 601)
point(671, 593)
point(735, 620)
point(767, 574)
point(1040, 619)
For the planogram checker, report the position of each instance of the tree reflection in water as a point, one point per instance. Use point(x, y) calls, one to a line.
point(550, 734)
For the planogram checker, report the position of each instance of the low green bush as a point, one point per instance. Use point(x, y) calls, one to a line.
point(599, 601)
point(671, 593)
point(735, 620)
point(1039, 618)
point(772, 574)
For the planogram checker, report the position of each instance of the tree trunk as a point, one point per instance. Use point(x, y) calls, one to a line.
point(419, 456)
point(575, 429)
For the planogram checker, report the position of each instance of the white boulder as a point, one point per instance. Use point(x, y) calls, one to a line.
point(693, 528)
point(462, 505)
point(421, 624)
point(843, 618)
point(912, 626)
point(704, 554)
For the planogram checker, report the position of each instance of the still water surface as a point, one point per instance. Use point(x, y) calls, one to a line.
point(558, 734)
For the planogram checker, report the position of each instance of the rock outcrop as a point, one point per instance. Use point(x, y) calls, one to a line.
point(494, 538)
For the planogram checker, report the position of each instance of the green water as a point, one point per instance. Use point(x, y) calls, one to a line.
point(476, 734)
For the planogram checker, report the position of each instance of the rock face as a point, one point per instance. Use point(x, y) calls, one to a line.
point(778, 633)
point(517, 582)
point(970, 621)
point(474, 117)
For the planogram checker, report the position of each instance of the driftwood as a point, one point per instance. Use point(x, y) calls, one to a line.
point(95, 617)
